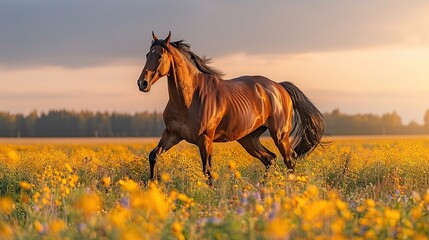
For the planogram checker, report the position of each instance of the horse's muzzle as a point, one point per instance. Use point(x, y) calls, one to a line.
point(143, 85)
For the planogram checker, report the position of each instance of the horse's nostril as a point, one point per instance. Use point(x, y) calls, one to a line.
point(144, 84)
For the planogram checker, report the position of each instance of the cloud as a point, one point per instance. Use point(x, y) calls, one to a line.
point(82, 33)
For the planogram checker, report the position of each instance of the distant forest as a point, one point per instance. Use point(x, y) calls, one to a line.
point(63, 123)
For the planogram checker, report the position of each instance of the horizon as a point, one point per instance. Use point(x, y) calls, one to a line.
point(39, 113)
point(365, 57)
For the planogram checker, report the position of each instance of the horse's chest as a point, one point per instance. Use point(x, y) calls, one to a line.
point(181, 127)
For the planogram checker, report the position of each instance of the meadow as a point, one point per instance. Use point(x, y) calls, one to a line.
point(354, 188)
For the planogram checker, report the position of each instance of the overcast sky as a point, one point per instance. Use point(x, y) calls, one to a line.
point(360, 56)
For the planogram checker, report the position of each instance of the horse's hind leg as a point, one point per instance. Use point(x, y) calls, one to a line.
point(285, 149)
point(254, 147)
point(280, 134)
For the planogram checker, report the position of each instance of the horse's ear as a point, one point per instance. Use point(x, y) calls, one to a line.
point(167, 40)
point(154, 37)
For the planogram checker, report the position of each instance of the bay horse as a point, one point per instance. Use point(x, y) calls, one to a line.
point(203, 108)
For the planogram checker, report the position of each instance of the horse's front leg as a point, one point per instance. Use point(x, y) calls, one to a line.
point(168, 140)
point(205, 144)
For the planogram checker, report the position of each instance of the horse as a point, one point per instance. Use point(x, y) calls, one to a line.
point(204, 108)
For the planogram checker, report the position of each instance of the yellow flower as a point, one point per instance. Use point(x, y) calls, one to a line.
point(268, 200)
point(407, 233)
point(68, 167)
point(153, 201)
point(312, 191)
point(278, 229)
point(259, 209)
point(56, 226)
point(38, 226)
point(416, 212)
point(341, 205)
point(25, 185)
point(378, 221)
point(46, 190)
point(165, 177)
point(105, 181)
point(25, 198)
point(392, 215)
point(232, 166)
point(119, 217)
point(215, 176)
point(158, 202)
point(150, 228)
point(131, 234)
point(301, 179)
point(237, 174)
point(177, 229)
point(370, 234)
point(6, 205)
point(89, 204)
point(347, 215)
point(364, 222)
point(291, 177)
point(13, 156)
point(182, 197)
point(360, 208)
point(370, 203)
point(173, 195)
point(337, 226)
point(426, 196)
point(6, 232)
point(129, 185)
point(45, 201)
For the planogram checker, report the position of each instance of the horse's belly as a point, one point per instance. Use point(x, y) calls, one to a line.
point(234, 129)
point(224, 136)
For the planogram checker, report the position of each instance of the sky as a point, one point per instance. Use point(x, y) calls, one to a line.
point(359, 56)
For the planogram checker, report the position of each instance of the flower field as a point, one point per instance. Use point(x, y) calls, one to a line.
point(363, 188)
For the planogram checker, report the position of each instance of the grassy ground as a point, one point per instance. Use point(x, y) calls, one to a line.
point(363, 188)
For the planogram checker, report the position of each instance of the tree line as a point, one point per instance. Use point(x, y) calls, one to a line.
point(63, 123)
point(338, 123)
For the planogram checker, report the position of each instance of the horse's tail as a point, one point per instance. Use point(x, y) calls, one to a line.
point(308, 126)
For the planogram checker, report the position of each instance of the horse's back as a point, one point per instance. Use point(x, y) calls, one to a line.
point(248, 102)
point(275, 95)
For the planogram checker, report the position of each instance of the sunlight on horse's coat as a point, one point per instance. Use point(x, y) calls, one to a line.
point(203, 108)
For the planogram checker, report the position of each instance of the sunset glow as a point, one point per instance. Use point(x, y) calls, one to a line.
point(375, 65)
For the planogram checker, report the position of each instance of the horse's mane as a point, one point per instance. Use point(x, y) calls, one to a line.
point(200, 63)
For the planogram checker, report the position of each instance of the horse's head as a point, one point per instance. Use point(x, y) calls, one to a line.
point(158, 61)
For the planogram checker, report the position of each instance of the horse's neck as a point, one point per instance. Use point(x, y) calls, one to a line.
point(182, 82)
